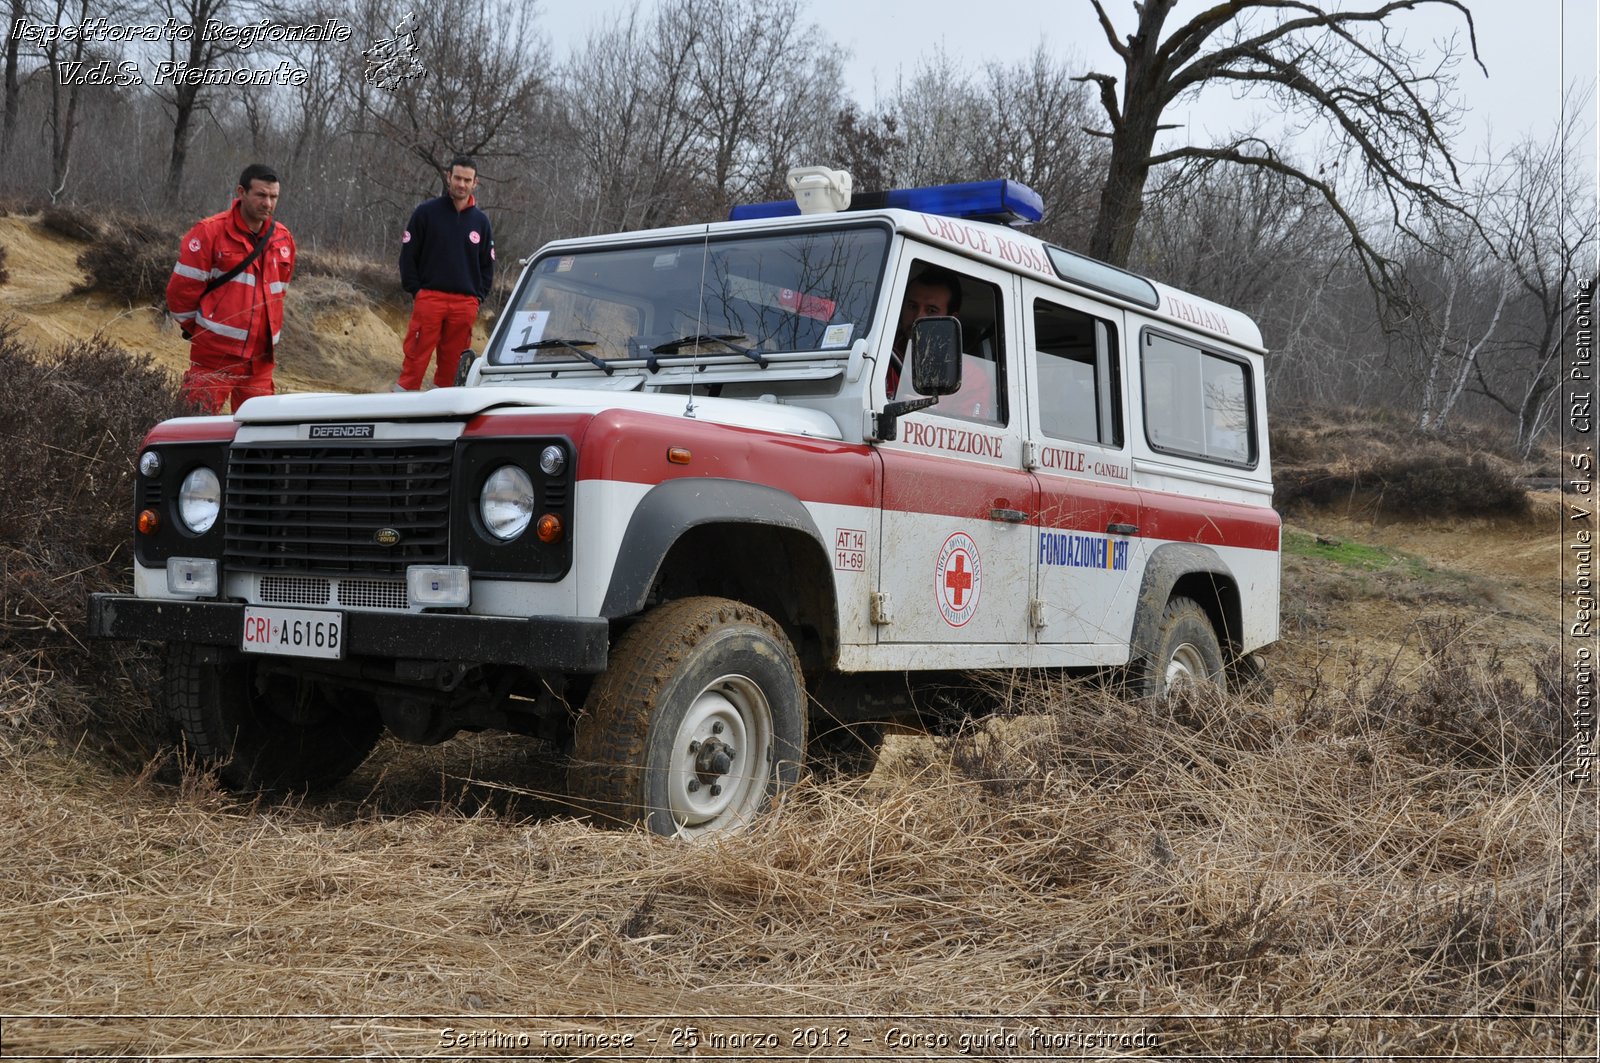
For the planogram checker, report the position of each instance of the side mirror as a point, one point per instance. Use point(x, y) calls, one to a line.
point(464, 367)
point(936, 356)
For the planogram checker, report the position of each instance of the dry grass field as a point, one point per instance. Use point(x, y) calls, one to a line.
point(1382, 861)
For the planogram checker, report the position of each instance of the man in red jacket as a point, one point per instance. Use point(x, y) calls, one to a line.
point(447, 263)
point(226, 293)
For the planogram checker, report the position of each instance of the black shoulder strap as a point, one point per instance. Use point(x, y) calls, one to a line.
point(255, 253)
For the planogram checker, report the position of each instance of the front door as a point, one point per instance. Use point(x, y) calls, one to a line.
point(956, 541)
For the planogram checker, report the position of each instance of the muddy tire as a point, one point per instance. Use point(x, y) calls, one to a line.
point(1249, 678)
point(265, 733)
point(696, 724)
point(1186, 650)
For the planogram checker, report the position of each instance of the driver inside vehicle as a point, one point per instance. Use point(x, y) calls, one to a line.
point(937, 292)
point(933, 292)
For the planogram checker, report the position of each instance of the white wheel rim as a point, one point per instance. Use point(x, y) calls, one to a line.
point(1188, 665)
point(731, 712)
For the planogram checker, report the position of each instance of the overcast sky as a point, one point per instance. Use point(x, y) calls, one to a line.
point(1527, 46)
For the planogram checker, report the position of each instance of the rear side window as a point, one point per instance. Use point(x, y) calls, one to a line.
point(1196, 403)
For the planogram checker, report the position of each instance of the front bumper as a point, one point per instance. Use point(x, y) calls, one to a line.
point(542, 643)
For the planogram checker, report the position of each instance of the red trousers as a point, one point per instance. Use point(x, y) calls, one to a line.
point(441, 322)
point(213, 379)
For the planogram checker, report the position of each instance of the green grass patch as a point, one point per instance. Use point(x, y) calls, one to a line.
point(1344, 552)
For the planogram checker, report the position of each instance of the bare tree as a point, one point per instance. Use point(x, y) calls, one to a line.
point(1022, 121)
point(943, 117)
point(627, 102)
point(1469, 287)
point(65, 63)
point(18, 10)
point(866, 144)
point(1490, 300)
point(1544, 228)
point(705, 105)
point(481, 71)
point(183, 90)
point(1034, 118)
point(762, 80)
point(1387, 105)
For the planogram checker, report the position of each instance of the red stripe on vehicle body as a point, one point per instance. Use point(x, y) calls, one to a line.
point(1200, 520)
point(187, 431)
point(625, 446)
point(628, 446)
point(953, 487)
point(1069, 504)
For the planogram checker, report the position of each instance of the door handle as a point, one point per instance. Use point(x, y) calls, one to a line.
point(1010, 516)
point(1122, 529)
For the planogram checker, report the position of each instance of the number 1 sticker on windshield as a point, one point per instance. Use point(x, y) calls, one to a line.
point(527, 326)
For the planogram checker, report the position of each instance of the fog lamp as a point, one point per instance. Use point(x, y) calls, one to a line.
point(192, 575)
point(439, 585)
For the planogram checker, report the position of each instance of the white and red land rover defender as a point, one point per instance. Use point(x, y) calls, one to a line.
point(674, 521)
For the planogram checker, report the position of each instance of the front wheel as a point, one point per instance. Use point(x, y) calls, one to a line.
point(698, 722)
point(265, 731)
point(1185, 652)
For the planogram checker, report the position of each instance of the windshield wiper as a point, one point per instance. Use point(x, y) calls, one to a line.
point(575, 346)
point(694, 340)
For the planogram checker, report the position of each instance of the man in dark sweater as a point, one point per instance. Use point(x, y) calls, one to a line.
point(447, 263)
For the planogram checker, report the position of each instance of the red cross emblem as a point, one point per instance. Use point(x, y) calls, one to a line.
point(958, 579)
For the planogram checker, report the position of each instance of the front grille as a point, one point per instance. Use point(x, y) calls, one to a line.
point(294, 590)
point(321, 508)
point(374, 593)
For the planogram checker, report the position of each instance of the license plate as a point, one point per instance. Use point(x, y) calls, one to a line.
point(293, 632)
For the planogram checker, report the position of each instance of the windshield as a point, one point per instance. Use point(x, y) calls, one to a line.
point(798, 291)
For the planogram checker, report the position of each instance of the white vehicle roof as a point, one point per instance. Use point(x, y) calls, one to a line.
point(996, 244)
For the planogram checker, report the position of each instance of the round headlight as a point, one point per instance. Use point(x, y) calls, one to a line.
point(506, 504)
point(150, 463)
point(552, 460)
point(200, 500)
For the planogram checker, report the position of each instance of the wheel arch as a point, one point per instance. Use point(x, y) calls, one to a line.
point(733, 539)
point(1186, 570)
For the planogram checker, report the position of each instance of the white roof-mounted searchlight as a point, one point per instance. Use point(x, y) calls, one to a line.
point(819, 190)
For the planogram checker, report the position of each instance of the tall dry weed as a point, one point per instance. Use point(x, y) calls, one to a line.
point(74, 421)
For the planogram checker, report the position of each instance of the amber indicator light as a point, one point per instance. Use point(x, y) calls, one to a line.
point(149, 521)
point(678, 455)
point(549, 529)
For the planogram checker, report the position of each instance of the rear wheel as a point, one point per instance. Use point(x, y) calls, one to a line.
point(266, 731)
point(1185, 651)
point(696, 724)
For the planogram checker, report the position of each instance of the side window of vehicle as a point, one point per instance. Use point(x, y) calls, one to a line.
point(1196, 403)
point(1080, 377)
point(977, 305)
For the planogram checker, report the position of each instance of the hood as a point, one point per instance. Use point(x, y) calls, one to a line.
point(455, 404)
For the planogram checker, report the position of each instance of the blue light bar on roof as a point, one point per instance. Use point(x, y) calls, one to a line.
point(1003, 202)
